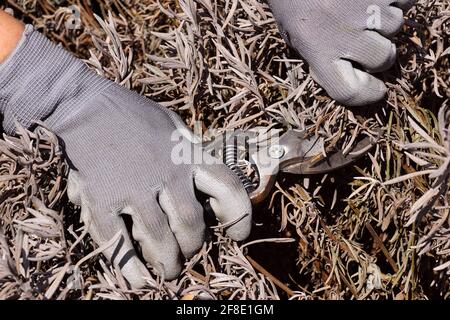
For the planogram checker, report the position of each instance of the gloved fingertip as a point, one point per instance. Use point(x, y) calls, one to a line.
point(229, 199)
point(350, 86)
point(239, 232)
point(168, 271)
point(240, 228)
point(190, 247)
point(136, 273)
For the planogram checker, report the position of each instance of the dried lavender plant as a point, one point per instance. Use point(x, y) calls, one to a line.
point(378, 230)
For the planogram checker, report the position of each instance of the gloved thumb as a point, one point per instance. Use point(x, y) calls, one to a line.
point(229, 199)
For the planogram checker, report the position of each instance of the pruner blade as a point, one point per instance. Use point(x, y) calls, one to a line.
point(298, 153)
point(316, 160)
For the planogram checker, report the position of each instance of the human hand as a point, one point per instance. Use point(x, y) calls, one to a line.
point(336, 37)
point(123, 152)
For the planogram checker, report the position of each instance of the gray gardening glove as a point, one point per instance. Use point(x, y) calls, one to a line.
point(332, 35)
point(126, 162)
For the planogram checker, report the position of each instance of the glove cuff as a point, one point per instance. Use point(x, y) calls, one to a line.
point(40, 79)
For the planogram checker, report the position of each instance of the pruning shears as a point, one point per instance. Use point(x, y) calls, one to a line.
point(294, 152)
